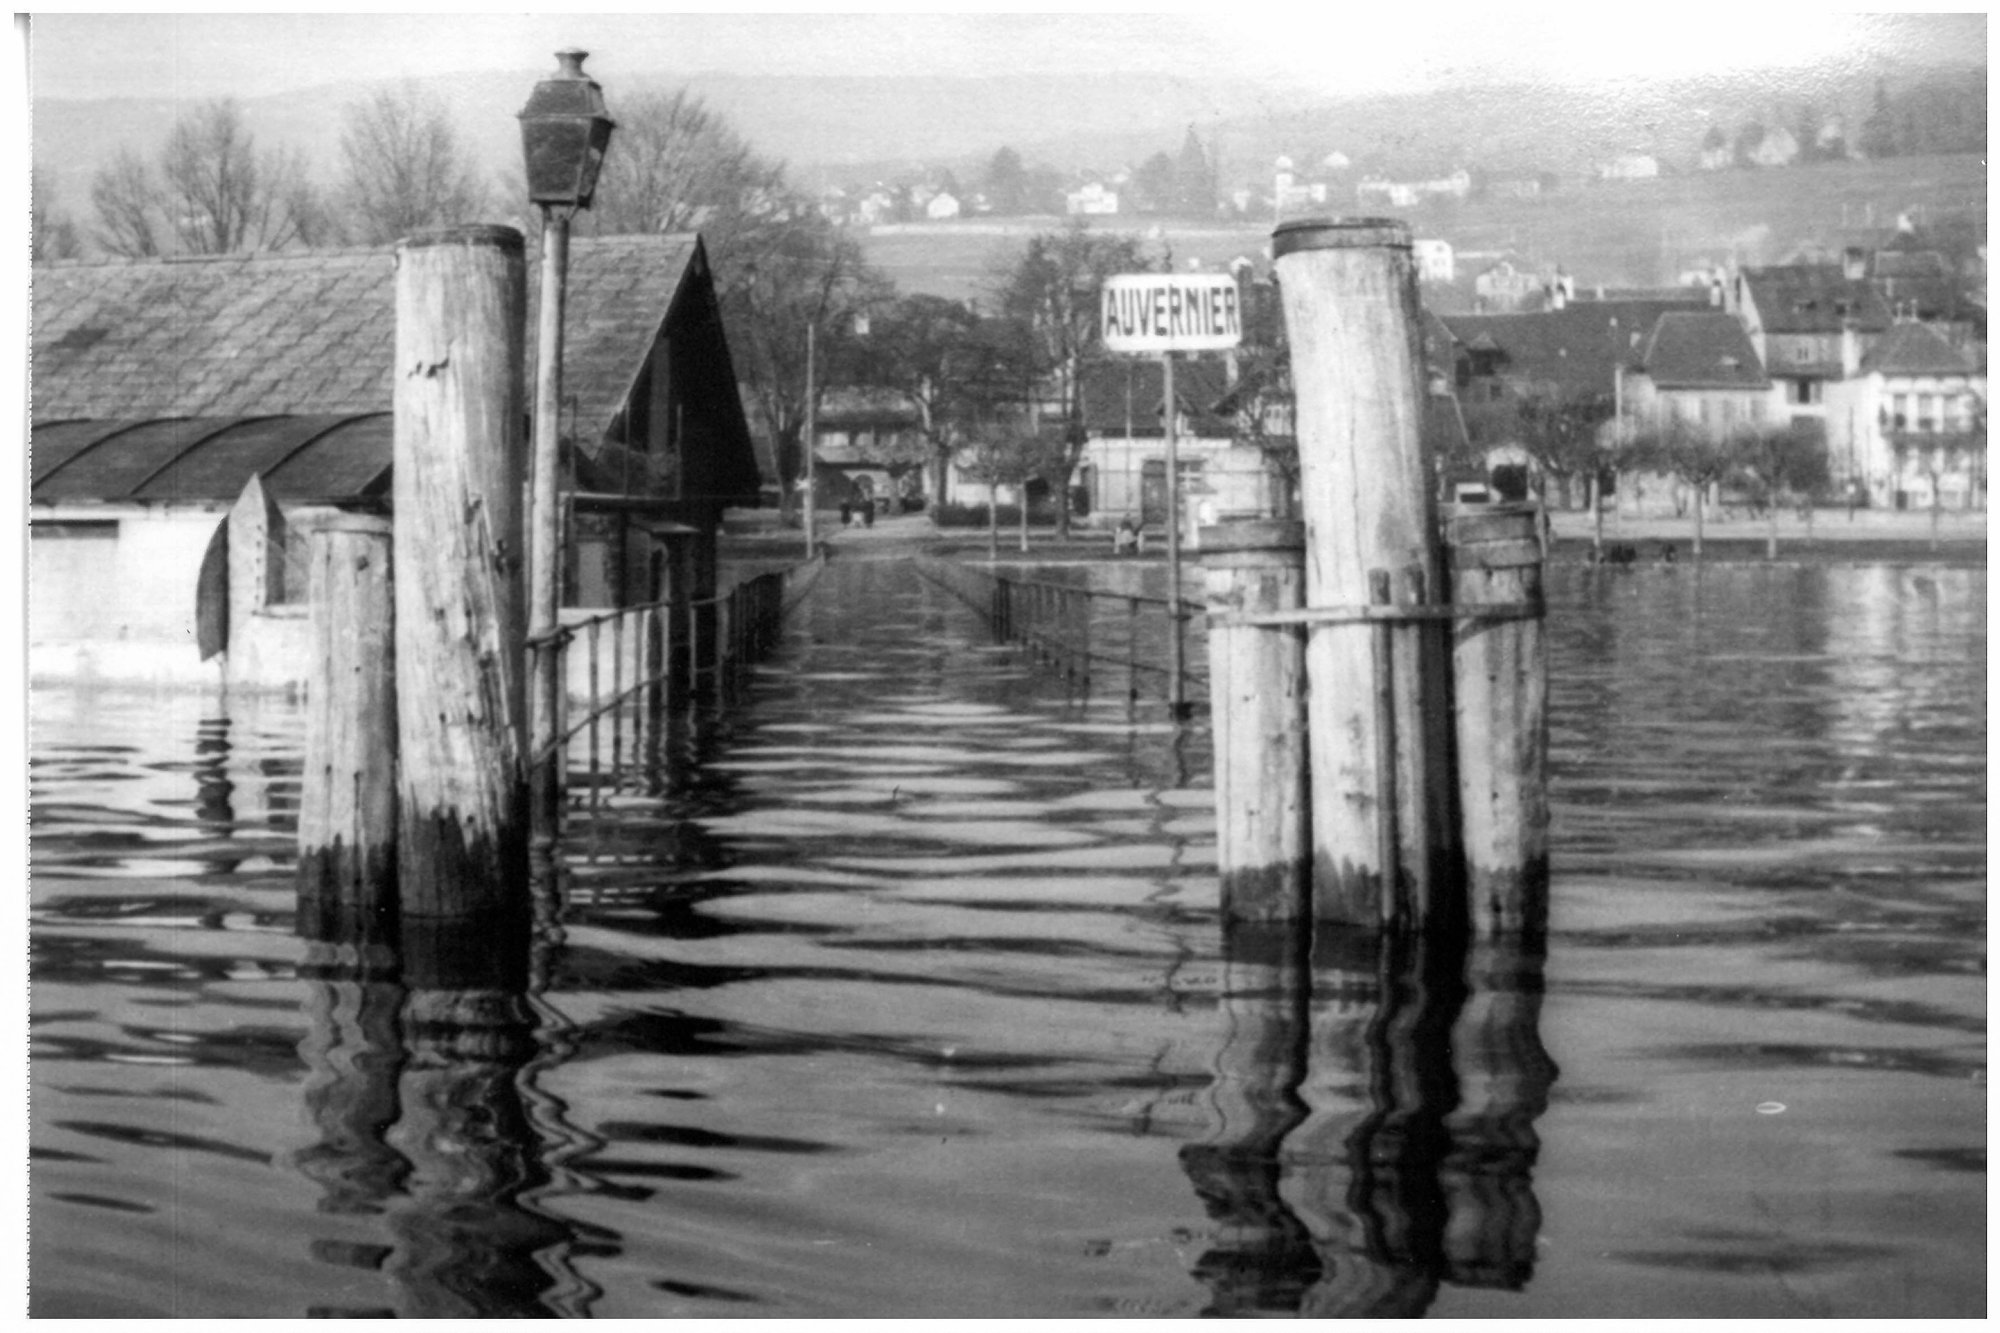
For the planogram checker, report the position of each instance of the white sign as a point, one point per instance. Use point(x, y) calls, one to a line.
point(1171, 312)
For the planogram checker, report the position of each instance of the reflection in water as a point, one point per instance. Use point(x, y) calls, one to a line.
point(418, 1096)
point(894, 1001)
point(1372, 1122)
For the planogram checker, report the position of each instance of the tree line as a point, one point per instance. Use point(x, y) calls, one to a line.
point(995, 385)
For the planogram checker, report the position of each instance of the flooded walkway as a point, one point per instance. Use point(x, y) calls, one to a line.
point(913, 1001)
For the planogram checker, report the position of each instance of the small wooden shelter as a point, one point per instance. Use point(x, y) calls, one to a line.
point(162, 389)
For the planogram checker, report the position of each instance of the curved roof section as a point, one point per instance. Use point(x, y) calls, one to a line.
point(326, 459)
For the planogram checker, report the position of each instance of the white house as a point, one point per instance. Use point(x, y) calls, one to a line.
point(941, 207)
point(1434, 260)
point(1093, 200)
point(1630, 167)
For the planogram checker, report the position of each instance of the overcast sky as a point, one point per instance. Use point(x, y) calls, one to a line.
point(205, 55)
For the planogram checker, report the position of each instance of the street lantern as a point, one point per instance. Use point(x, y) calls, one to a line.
point(564, 133)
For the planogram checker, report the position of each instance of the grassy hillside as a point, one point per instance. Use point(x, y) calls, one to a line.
point(1630, 233)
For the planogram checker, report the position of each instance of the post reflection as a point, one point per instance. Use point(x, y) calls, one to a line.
point(1372, 1122)
point(415, 1090)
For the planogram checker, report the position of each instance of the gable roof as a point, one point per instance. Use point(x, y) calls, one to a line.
point(1915, 349)
point(312, 332)
point(1814, 298)
point(1572, 349)
point(1702, 350)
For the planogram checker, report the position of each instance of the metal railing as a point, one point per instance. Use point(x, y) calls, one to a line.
point(1095, 637)
point(624, 672)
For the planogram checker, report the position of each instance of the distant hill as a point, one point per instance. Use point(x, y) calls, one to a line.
point(843, 129)
point(1613, 234)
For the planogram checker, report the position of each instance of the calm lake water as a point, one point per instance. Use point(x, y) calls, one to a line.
point(913, 1001)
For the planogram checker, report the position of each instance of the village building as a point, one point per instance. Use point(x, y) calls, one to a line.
point(1123, 471)
point(1630, 167)
point(194, 418)
point(1922, 410)
point(1434, 260)
point(1094, 199)
point(869, 451)
point(1575, 350)
point(1778, 148)
point(1504, 288)
point(1698, 367)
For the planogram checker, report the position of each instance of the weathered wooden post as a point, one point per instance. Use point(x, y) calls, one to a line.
point(1257, 712)
point(1500, 692)
point(347, 791)
point(460, 305)
point(1350, 295)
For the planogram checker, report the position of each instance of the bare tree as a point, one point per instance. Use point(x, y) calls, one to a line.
point(780, 273)
point(1050, 291)
point(674, 165)
point(222, 197)
point(405, 167)
point(127, 200)
point(51, 234)
point(211, 193)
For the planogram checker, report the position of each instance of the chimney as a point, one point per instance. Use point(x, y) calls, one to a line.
point(1854, 263)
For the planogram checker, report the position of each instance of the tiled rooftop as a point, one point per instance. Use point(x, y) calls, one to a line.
point(309, 332)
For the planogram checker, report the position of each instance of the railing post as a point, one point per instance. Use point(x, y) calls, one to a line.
point(1257, 716)
point(347, 795)
point(1350, 297)
point(460, 309)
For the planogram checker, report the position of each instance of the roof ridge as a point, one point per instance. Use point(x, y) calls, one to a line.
point(233, 256)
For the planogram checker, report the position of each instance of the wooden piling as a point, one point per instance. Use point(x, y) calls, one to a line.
point(1351, 313)
point(1257, 711)
point(1500, 690)
point(347, 788)
point(460, 307)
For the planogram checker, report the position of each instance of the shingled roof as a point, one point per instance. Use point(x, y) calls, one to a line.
point(1702, 350)
point(311, 332)
point(1814, 298)
point(1915, 349)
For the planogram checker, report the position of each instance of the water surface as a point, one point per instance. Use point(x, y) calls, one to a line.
point(910, 998)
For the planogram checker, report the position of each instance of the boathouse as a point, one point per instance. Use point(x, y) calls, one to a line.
point(193, 418)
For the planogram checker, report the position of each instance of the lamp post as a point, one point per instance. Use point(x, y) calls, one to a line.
point(564, 134)
point(812, 436)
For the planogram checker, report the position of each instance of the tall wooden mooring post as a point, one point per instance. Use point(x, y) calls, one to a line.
point(1419, 802)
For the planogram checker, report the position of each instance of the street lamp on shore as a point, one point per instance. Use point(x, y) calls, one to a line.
point(564, 134)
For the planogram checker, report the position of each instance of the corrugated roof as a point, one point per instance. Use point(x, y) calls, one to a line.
point(1814, 298)
point(316, 458)
point(1915, 349)
point(1702, 350)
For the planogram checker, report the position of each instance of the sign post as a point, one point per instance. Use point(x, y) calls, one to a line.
point(1161, 314)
